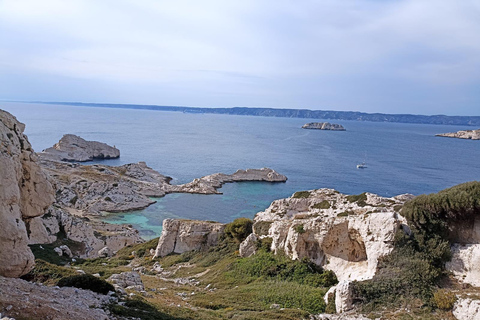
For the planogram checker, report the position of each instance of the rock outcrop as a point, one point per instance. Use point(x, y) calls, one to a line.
point(126, 281)
point(467, 309)
point(75, 148)
point(324, 126)
point(27, 300)
point(89, 190)
point(345, 234)
point(180, 236)
point(462, 134)
point(25, 193)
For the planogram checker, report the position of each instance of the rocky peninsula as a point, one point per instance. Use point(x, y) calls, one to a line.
point(74, 148)
point(324, 126)
point(462, 134)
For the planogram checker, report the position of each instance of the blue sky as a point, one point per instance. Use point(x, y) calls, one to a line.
point(392, 56)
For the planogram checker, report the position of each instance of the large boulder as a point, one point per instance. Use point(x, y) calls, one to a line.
point(75, 148)
point(180, 236)
point(25, 193)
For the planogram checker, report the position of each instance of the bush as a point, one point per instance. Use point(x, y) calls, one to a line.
point(87, 282)
point(360, 199)
point(444, 299)
point(239, 229)
point(299, 228)
point(270, 266)
point(301, 194)
point(322, 205)
point(47, 273)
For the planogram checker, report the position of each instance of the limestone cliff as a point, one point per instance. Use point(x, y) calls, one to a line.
point(180, 236)
point(25, 193)
point(345, 234)
point(462, 134)
point(75, 148)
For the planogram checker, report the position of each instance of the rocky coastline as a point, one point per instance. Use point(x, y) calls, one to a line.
point(324, 126)
point(462, 134)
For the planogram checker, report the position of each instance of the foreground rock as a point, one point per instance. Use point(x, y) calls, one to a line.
point(345, 234)
point(180, 236)
point(126, 281)
point(25, 193)
point(323, 126)
point(25, 300)
point(462, 134)
point(467, 309)
point(74, 148)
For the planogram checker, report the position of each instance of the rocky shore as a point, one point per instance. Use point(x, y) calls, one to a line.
point(324, 126)
point(462, 134)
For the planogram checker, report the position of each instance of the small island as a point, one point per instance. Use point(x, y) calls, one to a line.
point(324, 126)
point(462, 134)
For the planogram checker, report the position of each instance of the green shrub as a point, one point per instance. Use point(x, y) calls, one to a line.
point(299, 228)
point(301, 194)
point(322, 205)
point(270, 266)
point(47, 273)
point(444, 299)
point(331, 308)
point(360, 199)
point(261, 227)
point(87, 282)
point(264, 244)
point(239, 229)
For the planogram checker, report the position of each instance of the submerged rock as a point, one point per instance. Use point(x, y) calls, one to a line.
point(324, 126)
point(75, 148)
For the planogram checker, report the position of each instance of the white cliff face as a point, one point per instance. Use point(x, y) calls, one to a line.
point(467, 309)
point(345, 234)
point(25, 193)
point(75, 148)
point(180, 236)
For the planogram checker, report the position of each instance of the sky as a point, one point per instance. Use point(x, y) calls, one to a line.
point(390, 56)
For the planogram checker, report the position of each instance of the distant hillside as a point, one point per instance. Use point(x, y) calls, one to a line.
point(301, 113)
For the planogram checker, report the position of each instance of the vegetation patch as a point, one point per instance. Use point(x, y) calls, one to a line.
point(299, 228)
point(239, 229)
point(301, 194)
point(322, 205)
point(87, 282)
point(47, 273)
point(261, 227)
point(360, 199)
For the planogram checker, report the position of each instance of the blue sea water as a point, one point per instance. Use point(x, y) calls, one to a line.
point(401, 158)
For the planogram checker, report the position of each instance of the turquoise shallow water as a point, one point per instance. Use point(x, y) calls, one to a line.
point(401, 158)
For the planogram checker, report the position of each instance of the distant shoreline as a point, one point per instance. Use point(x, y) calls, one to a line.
point(293, 113)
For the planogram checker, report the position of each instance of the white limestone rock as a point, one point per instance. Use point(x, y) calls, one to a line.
point(465, 263)
point(25, 193)
point(341, 233)
point(75, 148)
point(324, 126)
point(180, 236)
point(126, 281)
point(462, 134)
point(467, 309)
point(249, 246)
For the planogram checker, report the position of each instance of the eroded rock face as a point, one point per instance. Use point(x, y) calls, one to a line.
point(462, 134)
point(75, 148)
point(25, 193)
point(345, 234)
point(180, 236)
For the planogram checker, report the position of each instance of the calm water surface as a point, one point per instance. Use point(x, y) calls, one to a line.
point(401, 158)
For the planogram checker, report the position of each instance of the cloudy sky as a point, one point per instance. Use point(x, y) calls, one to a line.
point(393, 56)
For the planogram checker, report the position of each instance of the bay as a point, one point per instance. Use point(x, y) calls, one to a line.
point(401, 158)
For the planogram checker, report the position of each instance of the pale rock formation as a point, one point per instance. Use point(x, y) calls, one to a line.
point(467, 309)
point(343, 296)
point(462, 134)
point(74, 148)
point(249, 246)
point(35, 301)
point(343, 316)
point(465, 263)
point(105, 252)
point(209, 184)
point(25, 193)
point(43, 229)
point(180, 236)
point(324, 126)
point(341, 233)
point(126, 281)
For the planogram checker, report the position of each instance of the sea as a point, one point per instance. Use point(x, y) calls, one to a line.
point(401, 158)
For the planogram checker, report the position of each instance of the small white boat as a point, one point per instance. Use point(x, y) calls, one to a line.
point(362, 165)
